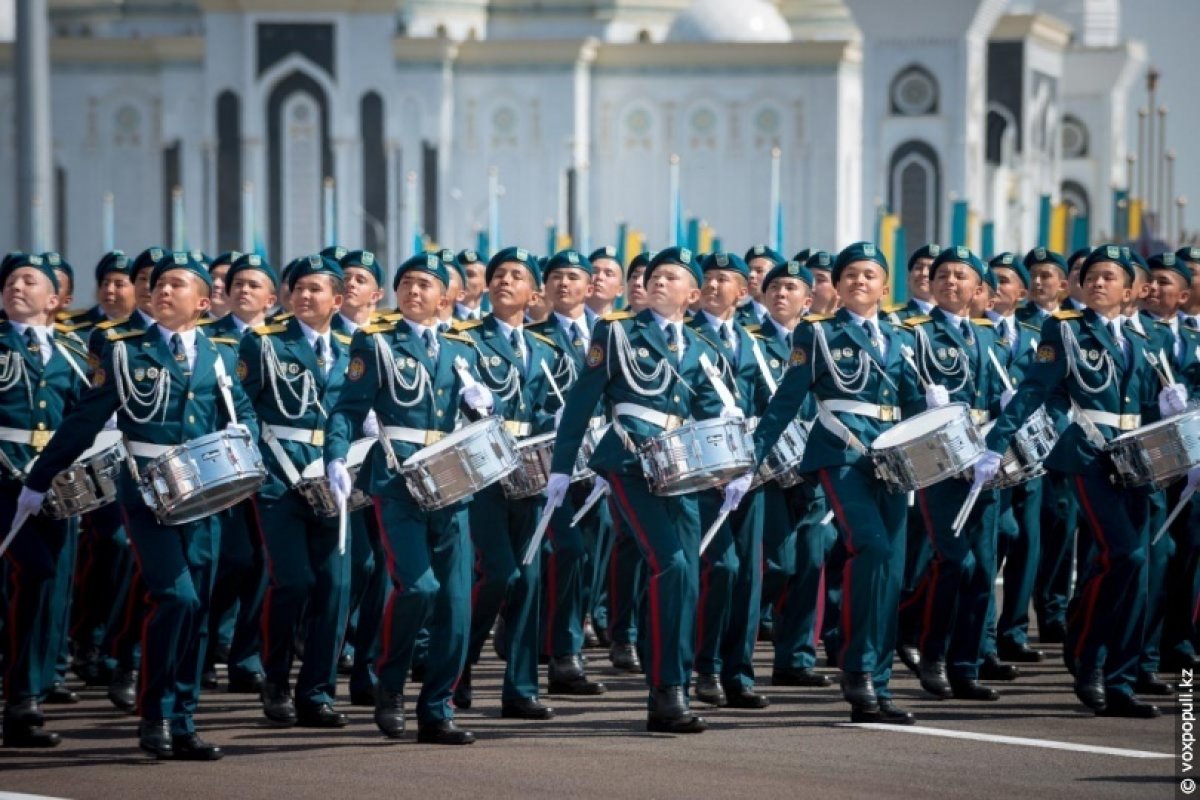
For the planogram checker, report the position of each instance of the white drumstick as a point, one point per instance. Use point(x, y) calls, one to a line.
point(1166, 365)
point(827, 519)
point(343, 523)
point(553, 384)
point(1184, 499)
point(1000, 369)
point(961, 520)
point(539, 533)
point(598, 491)
point(18, 521)
point(711, 533)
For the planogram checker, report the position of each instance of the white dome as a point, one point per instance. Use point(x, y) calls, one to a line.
point(730, 21)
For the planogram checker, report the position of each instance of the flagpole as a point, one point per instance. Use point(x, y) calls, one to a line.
point(673, 205)
point(177, 237)
point(584, 210)
point(773, 232)
point(494, 209)
point(108, 221)
point(410, 210)
point(248, 217)
point(327, 205)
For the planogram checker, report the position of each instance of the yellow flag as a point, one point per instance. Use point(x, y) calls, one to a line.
point(563, 242)
point(706, 238)
point(1135, 219)
point(633, 244)
point(1058, 228)
point(887, 236)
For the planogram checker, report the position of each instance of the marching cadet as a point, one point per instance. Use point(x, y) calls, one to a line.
point(1101, 366)
point(568, 280)
point(251, 287)
point(364, 288)
point(608, 283)
point(795, 527)
point(474, 267)
point(920, 296)
point(760, 259)
point(41, 378)
point(163, 382)
point(851, 365)
point(219, 268)
point(458, 280)
point(1018, 539)
point(405, 372)
point(292, 372)
point(731, 567)
point(513, 364)
point(648, 367)
point(1047, 284)
point(824, 294)
point(636, 287)
point(114, 289)
point(66, 286)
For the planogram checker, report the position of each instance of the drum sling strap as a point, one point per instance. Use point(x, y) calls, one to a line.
point(281, 457)
point(839, 429)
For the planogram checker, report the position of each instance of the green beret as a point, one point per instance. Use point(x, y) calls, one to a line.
point(1041, 255)
point(285, 275)
point(12, 256)
point(930, 250)
point(608, 251)
point(467, 257)
point(819, 259)
point(726, 261)
point(803, 255)
point(431, 263)
point(313, 265)
point(147, 258)
point(56, 261)
point(336, 252)
point(762, 251)
point(112, 261)
point(250, 261)
point(1113, 253)
point(1172, 263)
point(567, 259)
point(452, 263)
point(1009, 261)
point(1189, 254)
point(1078, 255)
point(14, 261)
point(183, 261)
point(363, 259)
point(859, 251)
point(1136, 260)
point(225, 259)
point(961, 255)
point(679, 256)
point(521, 256)
point(792, 269)
point(202, 258)
point(642, 260)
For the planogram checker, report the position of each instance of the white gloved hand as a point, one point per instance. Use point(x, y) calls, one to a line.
point(1172, 400)
point(371, 424)
point(936, 396)
point(735, 490)
point(556, 489)
point(339, 480)
point(987, 467)
point(110, 424)
point(29, 502)
point(732, 412)
point(1006, 397)
point(477, 397)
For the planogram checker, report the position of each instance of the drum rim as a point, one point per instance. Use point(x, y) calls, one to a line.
point(960, 411)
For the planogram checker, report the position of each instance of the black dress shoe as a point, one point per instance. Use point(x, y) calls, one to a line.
point(389, 712)
point(1150, 683)
point(624, 657)
point(363, 697)
point(321, 716)
point(278, 705)
point(858, 689)
point(23, 727)
point(1052, 633)
point(799, 677)
point(525, 708)
point(1090, 690)
point(418, 672)
point(500, 639)
point(463, 696)
point(444, 732)
point(345, 664)
point(708, 690)
point(1018, 652)
point(602, 640)
point(251, 683)
point(122, 692)
point(60, 694)
point(744, 697)
point(209, 679)
point(566, 676)
point(221, 654)
point(190, 747)
point(891, 714)
point(155, 738)
point(1119, 704)
point(934, 680)
point(993, 669)
point(590, 639)
point(670, 712)
point(911, 657)
point(766, 632)
point(971, 689)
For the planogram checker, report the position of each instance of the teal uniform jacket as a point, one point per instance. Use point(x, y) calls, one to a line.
point(291, 357)
point(1187, 362)
point(522, 393)
point(686, 392)
point(809, 373)
point(105, 332)
point(748, 385)
point(1031, 313)
point(1132, 390)
point(747, 314)
point(192, 408)
point(947, 344)
point(571, 351)
point(900, 312)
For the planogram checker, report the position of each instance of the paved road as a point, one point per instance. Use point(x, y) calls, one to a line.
point(597, 747)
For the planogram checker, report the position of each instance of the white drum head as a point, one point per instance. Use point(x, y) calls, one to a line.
point(1187, 419)
point(103, 441)
point(355, 456)
point(532, 442)
point(452, 440)
point(920, 425)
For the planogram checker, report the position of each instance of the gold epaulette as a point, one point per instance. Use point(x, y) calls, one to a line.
point(269, 329)
point(378, 327)
point(892, 308)
point(69, 339)
point(64, 327)
point(229, 340)
point(543, 338)
point(817, 318)
point(613, 316)
point(755, 328)
point(390, 316)
point(456, 337)
point(206, 321)
point(982, 322)
point(282, 316)
point(118, 336)
point(343, 338)
point(72, 313)
point(111, 323)
point(1033, 328)
point(1072, 314)
point(921, 319)
point(466, 324)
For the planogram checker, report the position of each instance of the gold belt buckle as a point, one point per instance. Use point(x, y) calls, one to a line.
point(673, 422)
point(979, 416)
point(1130, 422)
point(39, 439)
point(516, 428)
point(887, 413)
point(318, 438)
point(433, 437)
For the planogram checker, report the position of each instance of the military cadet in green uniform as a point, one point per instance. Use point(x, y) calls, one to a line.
point(760, 260)
point(1101, 365)
point(731, 566)
point(648, 367)
point(404, 371)
point(474, 266)
point(568, 280)
point(851, 365)
point(511, 363)
point(41, 378)
point(163, 382)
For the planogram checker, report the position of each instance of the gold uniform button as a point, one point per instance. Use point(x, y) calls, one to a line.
point(41, 403)
point(42, 384)
point(439, 413)
point(191, 419)
point(675, 399)
point(41, 426)
point(441, 391)
point(191, 395)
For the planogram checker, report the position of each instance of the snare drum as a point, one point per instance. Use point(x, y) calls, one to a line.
point(89, 483)
point(461, 464)
point(1031, 446)
point(698, 455)
point(530, 477)
point(591, 438)
point(928, 448)
point(782, 464)
point(199, 478)
point(314, 486)
point(1158, 453)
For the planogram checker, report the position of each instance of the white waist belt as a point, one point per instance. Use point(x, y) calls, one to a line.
point(881, 413)
point(412, 435)
point(32, 438)
point(1123, 422)
point(667, 422)
point(314, 436)
point(147, 450)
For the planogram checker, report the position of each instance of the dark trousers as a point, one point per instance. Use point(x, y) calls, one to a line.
point(239, 589)
point(800, 611)
point(369, 588)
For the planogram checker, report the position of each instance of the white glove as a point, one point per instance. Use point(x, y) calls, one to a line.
point(1006, 397)
point(732, 412)
point(371, 424)
point(110, 424)
point(936, 396)
point(29, 502)
point(987, 467)
point(735, 490)
point(477, 397)
point(1172, 400)
point(556, 489)
point(601, 485)
point(339, 480)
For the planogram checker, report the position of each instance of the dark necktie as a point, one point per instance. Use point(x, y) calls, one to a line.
point(1118, 338)
point(676, 339)
point(430, 343)
point(180, 353)
point(576, 334)
point(967, 333)
point(727, 336)
point(518, 346)
point(319, 351)
point(32, 343)
point(1192, 323)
